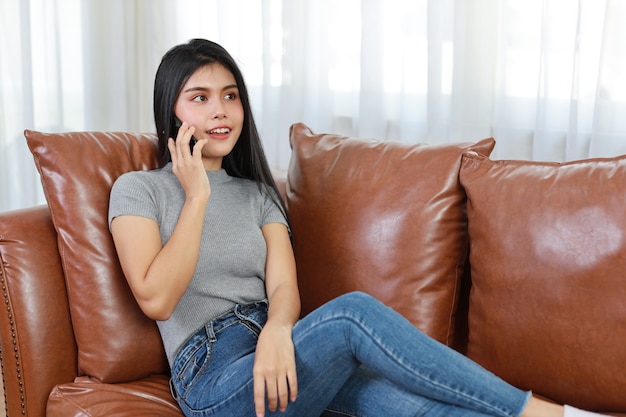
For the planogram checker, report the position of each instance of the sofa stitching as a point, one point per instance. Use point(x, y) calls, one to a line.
point(14, 343)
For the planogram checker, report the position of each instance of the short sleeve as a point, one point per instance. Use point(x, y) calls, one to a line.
point(132, 195)
point(272, 212)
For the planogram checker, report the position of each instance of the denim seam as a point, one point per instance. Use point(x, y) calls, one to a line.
point(342, 412)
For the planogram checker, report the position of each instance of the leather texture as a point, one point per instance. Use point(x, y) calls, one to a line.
point(116, 341)
point(146, 397)
point(386, 218)
point(548, 256)
point(35, 323)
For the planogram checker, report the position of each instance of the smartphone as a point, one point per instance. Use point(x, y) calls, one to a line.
point(192, 141)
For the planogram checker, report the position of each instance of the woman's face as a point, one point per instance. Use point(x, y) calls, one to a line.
point(209, 101)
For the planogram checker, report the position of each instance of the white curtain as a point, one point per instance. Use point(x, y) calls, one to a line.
point(544, 77)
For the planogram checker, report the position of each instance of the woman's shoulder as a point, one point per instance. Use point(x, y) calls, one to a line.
point(144, 181)
point(145, 176)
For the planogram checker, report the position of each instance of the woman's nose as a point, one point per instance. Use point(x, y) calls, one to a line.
point(218, 110)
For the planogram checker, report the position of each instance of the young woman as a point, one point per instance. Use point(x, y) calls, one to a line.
point(204, 244)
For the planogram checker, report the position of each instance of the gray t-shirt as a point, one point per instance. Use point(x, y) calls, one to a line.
point(231, 268)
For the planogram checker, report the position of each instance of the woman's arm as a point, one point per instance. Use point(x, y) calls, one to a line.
point(159, 275)
point(274, 366)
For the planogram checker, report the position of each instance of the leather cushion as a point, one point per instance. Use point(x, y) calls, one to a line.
point(386, 218)
point(85, 397)
point(116, 341)
point(547, 256)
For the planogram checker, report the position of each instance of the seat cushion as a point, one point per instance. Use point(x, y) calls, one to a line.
point(548, 255)
point(386, 218)
point(116, 341)
point(86, 397)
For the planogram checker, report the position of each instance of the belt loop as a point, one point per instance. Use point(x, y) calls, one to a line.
point(237, 311)
point(210, 333)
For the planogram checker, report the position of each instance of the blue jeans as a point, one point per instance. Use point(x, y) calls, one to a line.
point(354, 357)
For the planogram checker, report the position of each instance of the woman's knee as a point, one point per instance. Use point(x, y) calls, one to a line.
point(346, 308)
point(354, 300)
point(356, 296)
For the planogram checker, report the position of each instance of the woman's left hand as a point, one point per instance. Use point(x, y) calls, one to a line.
point(274, 369)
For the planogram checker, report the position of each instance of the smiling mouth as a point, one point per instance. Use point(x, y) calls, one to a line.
point(220, 130)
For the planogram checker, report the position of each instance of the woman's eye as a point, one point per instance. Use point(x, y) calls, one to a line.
point(230, 96)
point(199, 98)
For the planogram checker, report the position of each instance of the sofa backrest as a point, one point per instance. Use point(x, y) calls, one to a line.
point(116, 342)
point(383, 217)
point(548, 257)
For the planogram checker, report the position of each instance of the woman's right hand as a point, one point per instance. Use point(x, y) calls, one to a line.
point(188, 167)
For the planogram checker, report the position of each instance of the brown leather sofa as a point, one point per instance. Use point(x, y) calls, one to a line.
point(540, 302)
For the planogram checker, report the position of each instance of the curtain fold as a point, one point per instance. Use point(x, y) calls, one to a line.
point(544, 77)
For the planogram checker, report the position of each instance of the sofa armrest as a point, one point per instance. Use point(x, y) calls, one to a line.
point(38, 349)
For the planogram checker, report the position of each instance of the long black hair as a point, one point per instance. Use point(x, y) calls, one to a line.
point(247, 159)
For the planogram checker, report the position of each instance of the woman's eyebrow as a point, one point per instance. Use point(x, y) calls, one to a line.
point(200, 88)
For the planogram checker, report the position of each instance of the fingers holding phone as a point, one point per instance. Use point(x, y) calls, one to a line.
point(189, 169)
point(192, 140)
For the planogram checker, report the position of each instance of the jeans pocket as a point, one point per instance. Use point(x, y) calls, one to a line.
point(193, 368)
